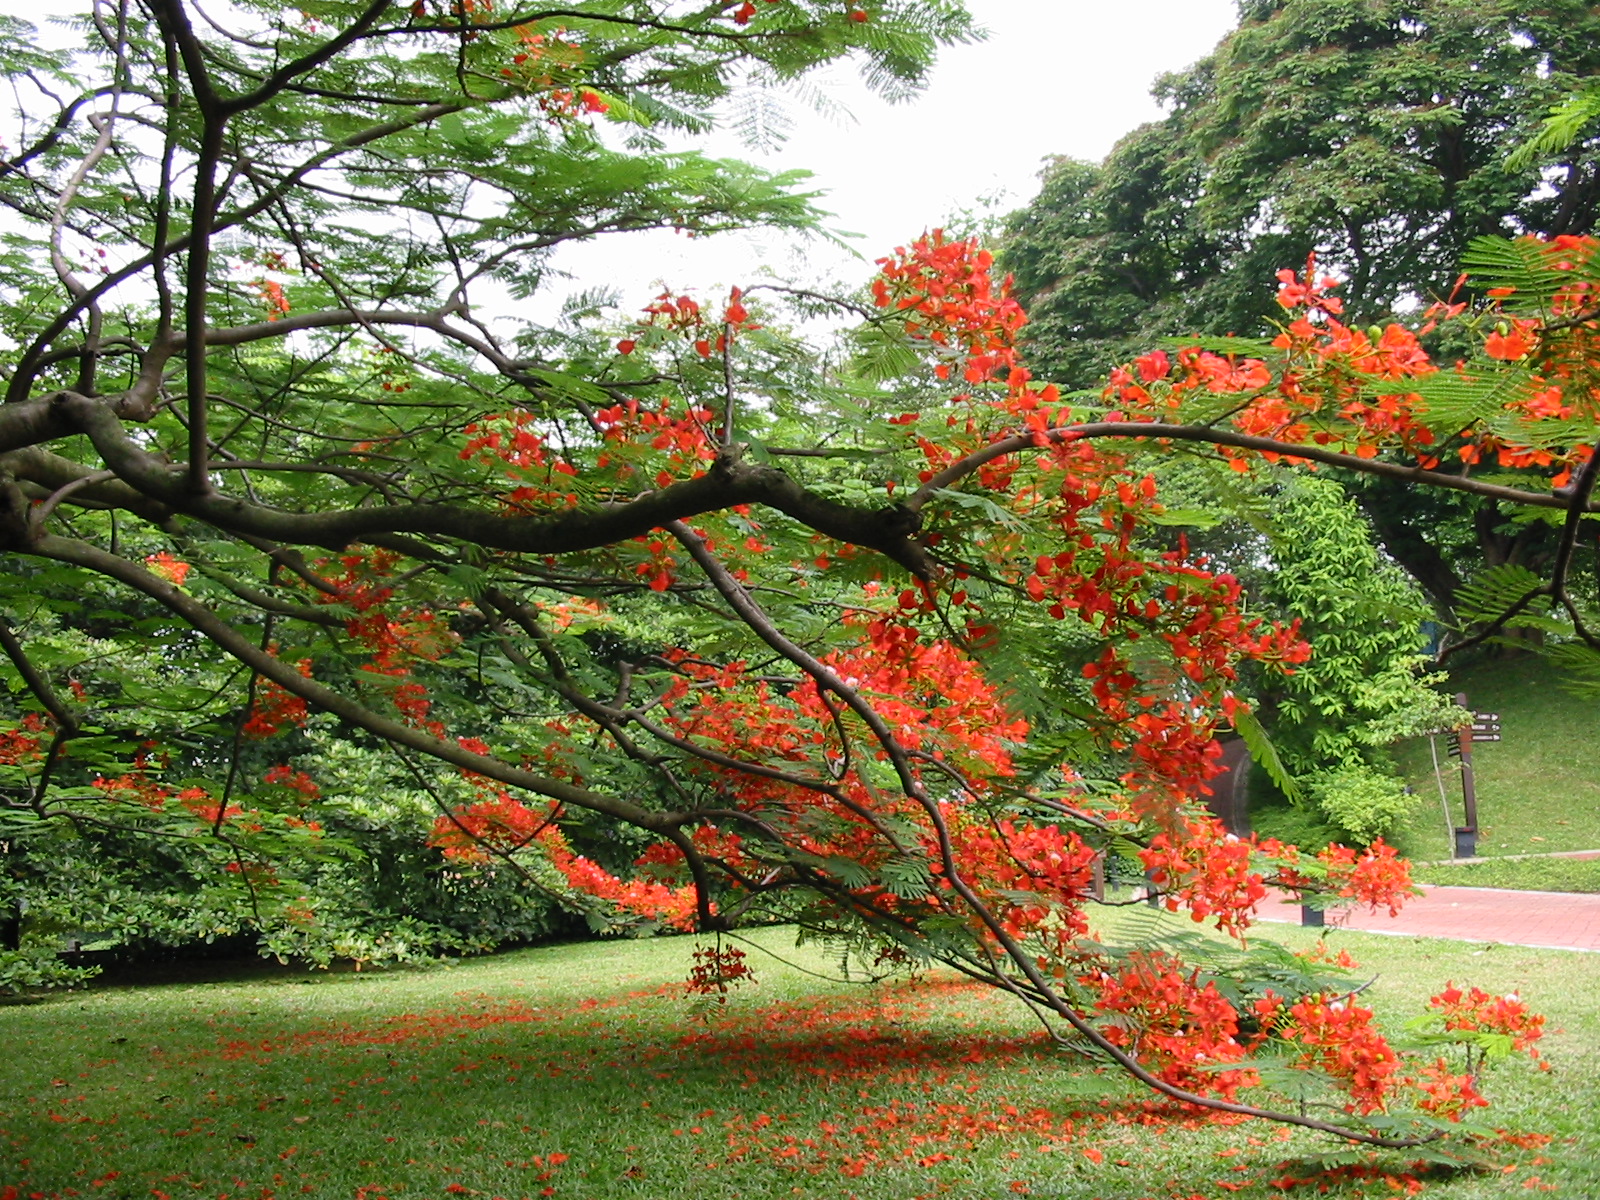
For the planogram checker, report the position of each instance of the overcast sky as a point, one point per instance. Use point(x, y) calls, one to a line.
point(1054, 77)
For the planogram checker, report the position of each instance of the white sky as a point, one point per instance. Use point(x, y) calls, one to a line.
point(1054, 77)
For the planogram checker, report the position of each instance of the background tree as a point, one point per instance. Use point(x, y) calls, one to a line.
point(1375, 135)
point(1333, 720)
point(654, 593)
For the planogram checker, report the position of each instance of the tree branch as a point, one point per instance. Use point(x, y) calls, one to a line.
point(203, 620)
point(65, 717)
point(1155, 430)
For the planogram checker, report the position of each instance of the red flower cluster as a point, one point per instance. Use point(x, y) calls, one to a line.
point(944, 291)
point(1377, 876)
point(672, 907)
point(286, 776)
point(1309, 292)
point(717, 970)
point(1339, 1038)
point(508, 439)
point(1035, 878)
point(498, 824)
point(1346, 388)
point(549, 66)
point(22, 743)
point(1179, 1027)
point(139, 787)
point(1208, 871)
point(173, 570)
point(395, 641)
point(273, 298)
point(276, 707)
point(1478, 1011)
point(631, 431)
point(1444, 1093)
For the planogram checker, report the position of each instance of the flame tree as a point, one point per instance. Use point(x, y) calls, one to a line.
point(664, 616)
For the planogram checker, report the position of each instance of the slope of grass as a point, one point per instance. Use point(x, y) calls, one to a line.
point(1529, 874)
point(1538, 788)
point(580, 1071)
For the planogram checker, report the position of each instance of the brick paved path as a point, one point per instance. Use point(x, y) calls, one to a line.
point(1553, 920)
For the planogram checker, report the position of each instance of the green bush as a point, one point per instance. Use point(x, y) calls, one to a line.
point(37, 968)
point(1333, 718)
point(1363, 803)
point(1299, 826)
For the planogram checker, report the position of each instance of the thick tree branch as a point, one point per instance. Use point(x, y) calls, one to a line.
point(729, 482)
point(56, 474)
point(1156, 431)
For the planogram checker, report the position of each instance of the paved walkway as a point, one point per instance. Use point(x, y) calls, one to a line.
point(1550, 920)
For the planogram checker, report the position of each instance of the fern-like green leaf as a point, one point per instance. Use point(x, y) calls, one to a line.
point(1560, 129)
point(1265, 753)
point(1496, 262)
point(1222, 344)
point(1491, 593)
point(1579, 667)
point(1455, 401)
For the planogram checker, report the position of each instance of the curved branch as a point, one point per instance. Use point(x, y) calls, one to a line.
point(1146, 430)
point(730, 481)
point(1018, 954)
point(55, 133)
point(308, 62)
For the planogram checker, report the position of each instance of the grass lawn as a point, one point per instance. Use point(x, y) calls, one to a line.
point(1537, 788)
point(580, 1071)
point(1529, 874)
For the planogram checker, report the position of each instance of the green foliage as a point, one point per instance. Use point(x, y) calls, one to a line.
point(1331, 720)
point(1293, 826)
point(1362, 617)
point(37, 969)
point(1361, 802)
point(1373, 133)
point(368, 888)
point(1563, 127)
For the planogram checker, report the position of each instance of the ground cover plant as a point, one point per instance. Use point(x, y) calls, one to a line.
point(585, 1071)
point(659, 611)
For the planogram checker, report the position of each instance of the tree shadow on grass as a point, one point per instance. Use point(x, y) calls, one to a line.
point(893, 1090)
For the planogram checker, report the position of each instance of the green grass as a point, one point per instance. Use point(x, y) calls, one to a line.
point(477, 1080)
point(1537, 787)
point(1531, 874)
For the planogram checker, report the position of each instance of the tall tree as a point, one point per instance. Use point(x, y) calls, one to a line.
point(1373, 133)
